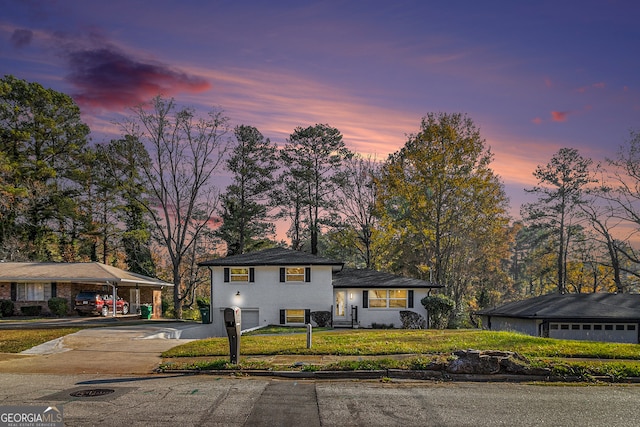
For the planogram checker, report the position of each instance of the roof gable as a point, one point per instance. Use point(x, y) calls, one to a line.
point(273, 256)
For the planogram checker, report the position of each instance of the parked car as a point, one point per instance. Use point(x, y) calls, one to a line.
point(93, 302)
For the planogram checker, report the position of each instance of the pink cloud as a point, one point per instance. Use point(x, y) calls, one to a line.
point(537, 121)
point(559, 116)
point(276, 102)
point(111, 80)
point(584, 89)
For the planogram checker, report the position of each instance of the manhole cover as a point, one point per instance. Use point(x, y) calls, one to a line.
point(94, 392)
point(87, 393)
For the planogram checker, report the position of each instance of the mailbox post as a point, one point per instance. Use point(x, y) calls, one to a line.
point(232, 322)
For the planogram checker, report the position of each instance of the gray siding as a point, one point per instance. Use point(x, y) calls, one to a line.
point(525, 326)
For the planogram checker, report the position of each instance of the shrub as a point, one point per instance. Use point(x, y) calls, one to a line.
point(31, 310)
point(58, 306)
point(322, 318)
point(438, 308)
point(167, 309)
point(412, 320)
point(6, 307)
point(203, 302)
point(375, 325)
point(191, 314)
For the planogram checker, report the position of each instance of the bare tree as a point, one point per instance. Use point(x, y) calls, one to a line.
point(357, 204)
point(185, 151)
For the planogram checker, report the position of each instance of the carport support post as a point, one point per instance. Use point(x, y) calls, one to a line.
point(114, 296)
point(309, 329)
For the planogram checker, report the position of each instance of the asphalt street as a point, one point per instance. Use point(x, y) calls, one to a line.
point(205, 400)
point(104, 377)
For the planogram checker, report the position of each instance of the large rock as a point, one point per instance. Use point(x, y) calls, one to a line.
point(491, 362)
point(412, 320)
point(474, 362)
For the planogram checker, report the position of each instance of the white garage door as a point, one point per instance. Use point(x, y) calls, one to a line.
point(250, 318)
point(607, 332)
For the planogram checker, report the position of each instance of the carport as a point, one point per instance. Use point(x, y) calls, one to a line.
point(30, 284)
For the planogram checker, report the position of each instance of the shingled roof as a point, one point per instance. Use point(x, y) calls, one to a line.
point(77, 272)
point(274, 256)
point(594, 306)
point(365, 278)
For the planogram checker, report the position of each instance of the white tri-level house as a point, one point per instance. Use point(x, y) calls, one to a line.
point(282, 286)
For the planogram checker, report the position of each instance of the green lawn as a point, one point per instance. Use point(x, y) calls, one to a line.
point(17, 340)
point(367, 342)
point(581, 359)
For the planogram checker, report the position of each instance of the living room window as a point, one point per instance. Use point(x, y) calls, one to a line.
point(388, 298)
point(34, 291)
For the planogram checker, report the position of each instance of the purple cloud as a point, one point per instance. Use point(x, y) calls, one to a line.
point(21, 38)
point(109, 79)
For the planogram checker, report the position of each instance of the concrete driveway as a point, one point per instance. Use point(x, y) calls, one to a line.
point(118, 350)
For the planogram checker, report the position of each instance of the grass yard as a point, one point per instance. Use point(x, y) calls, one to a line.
point(582, 359)
point(366, 342)
point(17, 340)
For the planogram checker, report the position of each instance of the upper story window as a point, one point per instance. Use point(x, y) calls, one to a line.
point(295, 274)
point(239, 274)
point(388, 298)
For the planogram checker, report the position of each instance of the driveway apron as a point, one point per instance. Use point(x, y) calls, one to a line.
point(118, 350)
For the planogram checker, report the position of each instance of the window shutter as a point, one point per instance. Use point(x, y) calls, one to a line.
point(307, 316)
point(14, 291)
point(410, 302)
point(54, 289)
point(226, 274)
point(307, 274)
point(282, 274)
point(365, 299)
point(252, 274)
point(282, 317)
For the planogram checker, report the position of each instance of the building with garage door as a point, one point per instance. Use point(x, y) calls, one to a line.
point(595, 317)
point(287, 287)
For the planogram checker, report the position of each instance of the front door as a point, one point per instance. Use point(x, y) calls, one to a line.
point(157, 304)
point(340, 310)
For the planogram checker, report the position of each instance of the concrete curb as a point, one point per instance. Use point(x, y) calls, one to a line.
point(400, 374)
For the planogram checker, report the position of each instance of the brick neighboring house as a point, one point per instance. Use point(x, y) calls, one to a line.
point(34, 283)
point(603, 317)
point(282, 286)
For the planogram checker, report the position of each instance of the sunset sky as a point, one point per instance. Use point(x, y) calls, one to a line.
point(534, 76)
